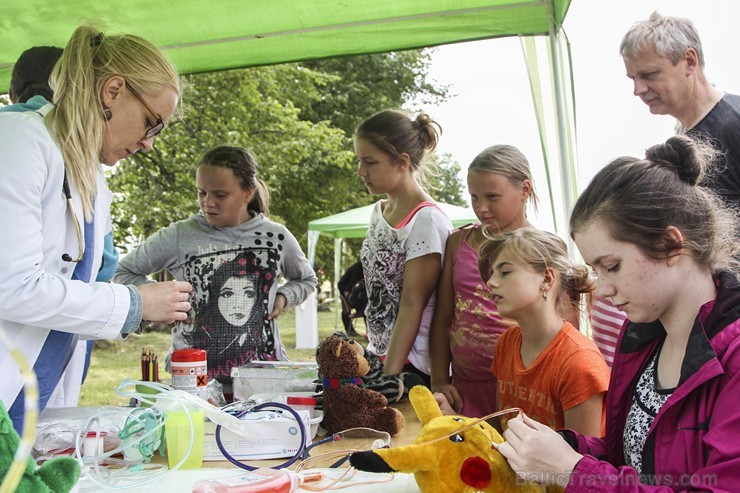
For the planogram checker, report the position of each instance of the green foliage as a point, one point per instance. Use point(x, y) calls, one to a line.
point(443, 180)
point(298, 159)
point(298, 120)
point(364, 85)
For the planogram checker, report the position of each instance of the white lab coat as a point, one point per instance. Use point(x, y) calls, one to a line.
point(67, 391)
point(36, 292)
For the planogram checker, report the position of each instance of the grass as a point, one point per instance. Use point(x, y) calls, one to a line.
point(114, 361)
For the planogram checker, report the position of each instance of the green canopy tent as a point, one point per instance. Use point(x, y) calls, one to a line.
point(353, 223)
point(226, 34)
point(350, 224)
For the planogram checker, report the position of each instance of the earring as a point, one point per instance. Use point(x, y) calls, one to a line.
point(544, 295)
point(107, 114)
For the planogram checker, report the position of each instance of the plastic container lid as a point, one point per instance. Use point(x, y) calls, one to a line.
point(302, 401)
point(188, 355)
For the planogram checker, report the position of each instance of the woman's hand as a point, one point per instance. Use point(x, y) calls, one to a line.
point(452, 396)
point(443, 404)
point(538, 453)
point(165, 302)
point(277, 309)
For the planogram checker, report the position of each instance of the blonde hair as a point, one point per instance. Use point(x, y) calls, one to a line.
point(540, 250)
point(509, 162)
point(77, 122)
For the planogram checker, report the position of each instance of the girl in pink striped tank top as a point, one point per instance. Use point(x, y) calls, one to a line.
point(466, 322)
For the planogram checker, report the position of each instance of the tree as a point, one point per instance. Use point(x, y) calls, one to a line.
point(298, 159)
point(443, 182)
point(364, 85)
point(297, 118)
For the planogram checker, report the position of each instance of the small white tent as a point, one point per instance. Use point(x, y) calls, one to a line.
point(348, 224)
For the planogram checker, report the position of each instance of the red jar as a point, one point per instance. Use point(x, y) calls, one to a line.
point(189, 369)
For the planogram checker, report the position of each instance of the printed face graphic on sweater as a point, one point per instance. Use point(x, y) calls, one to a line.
point(236, 300)
point(231, 315)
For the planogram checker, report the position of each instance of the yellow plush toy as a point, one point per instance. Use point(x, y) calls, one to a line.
point(445, 461)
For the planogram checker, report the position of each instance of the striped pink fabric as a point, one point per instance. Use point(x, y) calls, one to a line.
point(606, 322)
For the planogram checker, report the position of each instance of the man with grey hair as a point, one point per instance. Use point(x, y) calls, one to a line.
point(664, 58)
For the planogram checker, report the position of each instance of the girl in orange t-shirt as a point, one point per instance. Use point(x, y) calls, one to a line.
point(544, 365)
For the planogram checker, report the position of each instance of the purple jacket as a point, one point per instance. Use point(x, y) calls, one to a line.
point(694, 442)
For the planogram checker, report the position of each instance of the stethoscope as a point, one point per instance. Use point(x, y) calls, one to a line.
point(67, 257)
point(303, 450)
point(301, 427)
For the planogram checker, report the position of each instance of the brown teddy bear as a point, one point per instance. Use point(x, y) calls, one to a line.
point(393, 387)
point(347, 404)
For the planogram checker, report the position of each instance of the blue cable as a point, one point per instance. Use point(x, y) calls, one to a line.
point(259, 407)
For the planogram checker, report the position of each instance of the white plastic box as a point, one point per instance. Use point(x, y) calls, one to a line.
point(271, 436)
point(316, 415)
point(262, 377)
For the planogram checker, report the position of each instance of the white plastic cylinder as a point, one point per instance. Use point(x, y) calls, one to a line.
point(189, 369)
point(92, 444)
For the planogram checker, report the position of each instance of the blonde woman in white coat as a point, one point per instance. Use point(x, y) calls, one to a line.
point(112, 96)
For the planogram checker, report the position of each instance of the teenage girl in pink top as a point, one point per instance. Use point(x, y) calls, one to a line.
point(466, 322)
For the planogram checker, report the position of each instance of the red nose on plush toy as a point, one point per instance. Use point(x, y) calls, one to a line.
point(475, 472)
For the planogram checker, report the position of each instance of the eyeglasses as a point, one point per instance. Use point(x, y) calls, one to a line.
point(158, 122)
point(80, 252)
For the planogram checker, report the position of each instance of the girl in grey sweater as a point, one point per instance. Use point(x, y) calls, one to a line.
point(234, 257)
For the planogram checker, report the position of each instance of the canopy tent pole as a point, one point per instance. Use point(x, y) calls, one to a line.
point(564, 131)
point(338, 244)
point(313, 239)
point(307, 323)
point(564, 134)
point(306, 314)
point(529, 50)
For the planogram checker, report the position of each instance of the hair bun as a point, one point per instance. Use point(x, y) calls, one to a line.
point(681, 154)
point(427, 131)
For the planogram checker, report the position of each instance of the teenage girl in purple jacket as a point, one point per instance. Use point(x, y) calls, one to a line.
point(665, 252)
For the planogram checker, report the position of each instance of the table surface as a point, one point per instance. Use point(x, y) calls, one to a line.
point(183, 480)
